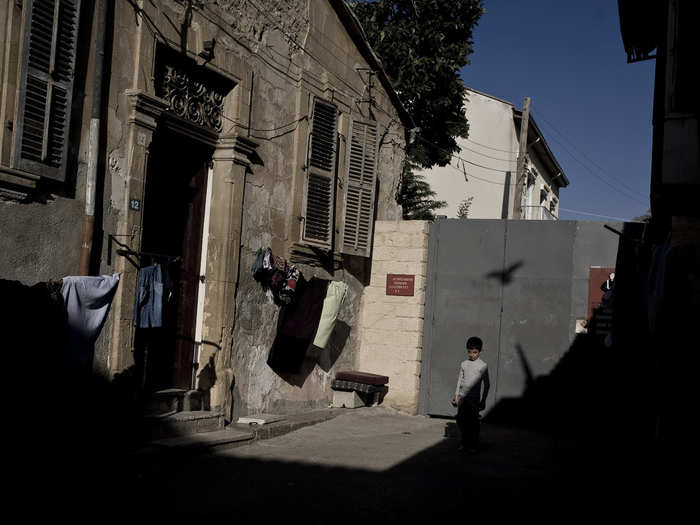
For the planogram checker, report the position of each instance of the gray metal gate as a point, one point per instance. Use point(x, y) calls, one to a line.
point(519, 285)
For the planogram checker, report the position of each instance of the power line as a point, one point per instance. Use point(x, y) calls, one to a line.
point(489, 147)
point(458, 157)
point(461, 171)
point(488, 156)
point(320, 62)
point(621, 183)
point(292, 39)
point(594, 214)
point(374, 104)
point(621, 191)
point(155, 31)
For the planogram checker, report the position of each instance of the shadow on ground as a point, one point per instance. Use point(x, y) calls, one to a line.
point(555, 446)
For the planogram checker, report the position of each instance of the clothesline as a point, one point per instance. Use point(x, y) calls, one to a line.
point(127, 250)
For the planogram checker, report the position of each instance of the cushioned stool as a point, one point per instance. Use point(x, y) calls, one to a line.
point(353, 389)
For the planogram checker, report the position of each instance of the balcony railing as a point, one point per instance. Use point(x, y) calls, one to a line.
point(538, 213)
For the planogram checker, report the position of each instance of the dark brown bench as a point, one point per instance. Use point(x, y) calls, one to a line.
point(371, 388)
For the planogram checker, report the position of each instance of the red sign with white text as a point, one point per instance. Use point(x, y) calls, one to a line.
point(397, 284)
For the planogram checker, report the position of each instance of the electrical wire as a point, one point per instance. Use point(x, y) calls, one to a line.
point(489, 147)
point(221, 24)
point(374, 104)
point(275, 25)
point(456, 168)
point(488, 156)
point(300, 46)
point(594, 214)
point(623, 185)
point(455, 156)
point(319, 61)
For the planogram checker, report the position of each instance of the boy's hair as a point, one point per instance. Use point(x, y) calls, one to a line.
point(475, 342)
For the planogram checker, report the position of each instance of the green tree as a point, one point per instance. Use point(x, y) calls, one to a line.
point(416, 197)
point(463, 210)
point(423, 44)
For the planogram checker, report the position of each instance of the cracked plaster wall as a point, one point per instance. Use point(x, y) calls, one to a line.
point(42, 240)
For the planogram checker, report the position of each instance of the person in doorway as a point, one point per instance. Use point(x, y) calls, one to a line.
point(470, 396)
point(609, 283)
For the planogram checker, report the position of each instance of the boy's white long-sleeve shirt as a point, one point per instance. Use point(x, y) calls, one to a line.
point(472, 374)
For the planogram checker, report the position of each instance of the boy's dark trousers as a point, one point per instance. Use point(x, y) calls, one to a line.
point(468, 423)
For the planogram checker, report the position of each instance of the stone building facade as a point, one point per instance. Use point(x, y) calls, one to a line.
point(225, 126)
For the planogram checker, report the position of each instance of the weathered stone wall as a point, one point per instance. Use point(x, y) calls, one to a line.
point(278, 54)
point(271, 209)
point(392, 326)
point(40, 223)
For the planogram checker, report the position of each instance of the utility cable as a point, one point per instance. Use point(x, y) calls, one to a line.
point(373, 103)
point(622, 184)
point(489, 147)
point(455, 156)
point(594, 214)
point(488, 156)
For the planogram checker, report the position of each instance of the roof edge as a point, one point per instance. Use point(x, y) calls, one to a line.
point(357, 33)
point(542, 142)
point(487, 95)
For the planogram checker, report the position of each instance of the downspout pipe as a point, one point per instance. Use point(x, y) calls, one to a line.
point(90, 183)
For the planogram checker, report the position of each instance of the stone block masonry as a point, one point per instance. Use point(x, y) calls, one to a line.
point(391, 327)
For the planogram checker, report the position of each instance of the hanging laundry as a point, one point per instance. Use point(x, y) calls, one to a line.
point(276, 282)
point(169, 270)
point(335, 296)
point(267, 259)
point(87, 301)
point(265, 265)
point(297, 324)
point(148, 306)
point(275, 274)
point(286, 293)
point(258, 262)
point(280, 263)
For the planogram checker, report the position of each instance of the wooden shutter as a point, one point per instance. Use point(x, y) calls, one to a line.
point(46, 87)
point(360, 184)
point(320, 176)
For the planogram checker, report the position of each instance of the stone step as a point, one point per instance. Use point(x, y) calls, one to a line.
point(206, 440)
point(234, 435)
point(184, 423)
point(176, 400)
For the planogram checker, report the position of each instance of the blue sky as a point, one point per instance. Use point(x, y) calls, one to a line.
point(593, 108)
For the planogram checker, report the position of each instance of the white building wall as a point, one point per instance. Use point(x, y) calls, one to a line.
point(490, 151)
point(541, 194)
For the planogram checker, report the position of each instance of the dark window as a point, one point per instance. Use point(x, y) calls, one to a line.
point(46, 87)
point(360, 185)
point(319, 196)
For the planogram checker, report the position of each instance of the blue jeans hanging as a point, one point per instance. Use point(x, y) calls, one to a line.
point(148, 307)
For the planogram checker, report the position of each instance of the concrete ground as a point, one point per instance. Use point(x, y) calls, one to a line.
point(373, 463)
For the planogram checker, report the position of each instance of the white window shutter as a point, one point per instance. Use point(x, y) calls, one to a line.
point(360, 184)
point(319, 195)
point(46, 87)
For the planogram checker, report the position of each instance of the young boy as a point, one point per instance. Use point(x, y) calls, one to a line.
point(469, 396)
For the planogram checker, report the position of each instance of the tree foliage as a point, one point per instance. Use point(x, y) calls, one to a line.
point(463, 210)
point(423, 44)
point(416, 197)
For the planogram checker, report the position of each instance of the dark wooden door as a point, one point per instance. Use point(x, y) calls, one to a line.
point(173, 222)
